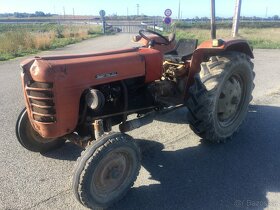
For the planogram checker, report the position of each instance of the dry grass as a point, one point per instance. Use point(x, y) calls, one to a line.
point(268, 38)
point(42, 41)
point(21, 41)
point(73, 33)
point(15, 42)
point(11, 42)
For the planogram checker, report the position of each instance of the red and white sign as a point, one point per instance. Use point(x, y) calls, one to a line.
point(168, 12)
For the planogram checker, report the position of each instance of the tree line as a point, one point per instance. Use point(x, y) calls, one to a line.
point(25, 15)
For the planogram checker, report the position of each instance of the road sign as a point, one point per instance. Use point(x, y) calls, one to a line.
point(168, 12)
point(102, 13)
point(167, 20)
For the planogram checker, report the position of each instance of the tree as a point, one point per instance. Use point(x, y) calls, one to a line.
point(275, 17)
point(40, 14)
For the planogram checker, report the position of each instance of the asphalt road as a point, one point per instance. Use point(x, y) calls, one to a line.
point(179, 171)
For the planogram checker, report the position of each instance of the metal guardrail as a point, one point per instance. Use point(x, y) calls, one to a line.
point(129, 28)
point(133, 27)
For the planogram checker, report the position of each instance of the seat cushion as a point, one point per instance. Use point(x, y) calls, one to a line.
point(183, 50)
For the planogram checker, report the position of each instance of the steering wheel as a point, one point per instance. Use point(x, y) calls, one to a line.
point(142, 34)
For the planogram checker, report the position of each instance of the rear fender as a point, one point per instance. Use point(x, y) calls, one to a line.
point(206, 49)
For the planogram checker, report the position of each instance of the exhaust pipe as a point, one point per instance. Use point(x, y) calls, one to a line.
point(213, 20)
point(146, 119)
point(136, 123)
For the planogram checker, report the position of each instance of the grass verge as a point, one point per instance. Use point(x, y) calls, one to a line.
point(22, 39)
point(259, 38)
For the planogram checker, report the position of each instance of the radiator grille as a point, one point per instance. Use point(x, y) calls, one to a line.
point(41, 99)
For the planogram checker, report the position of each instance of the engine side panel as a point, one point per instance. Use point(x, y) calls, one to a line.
point(154, 61)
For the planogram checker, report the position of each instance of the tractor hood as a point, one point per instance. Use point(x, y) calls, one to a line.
point(100, 67)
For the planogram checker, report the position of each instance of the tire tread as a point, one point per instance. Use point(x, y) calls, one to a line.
point(204, 91)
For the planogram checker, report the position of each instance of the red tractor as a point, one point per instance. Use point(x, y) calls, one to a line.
point(80, 97)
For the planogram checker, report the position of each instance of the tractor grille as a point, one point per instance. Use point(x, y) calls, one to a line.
point(41, 99)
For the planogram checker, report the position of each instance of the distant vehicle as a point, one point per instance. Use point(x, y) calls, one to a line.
point(111, 28)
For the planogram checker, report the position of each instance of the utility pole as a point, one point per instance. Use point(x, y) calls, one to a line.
point(137, 5)
point(154, 23)
point(236, 18)
point(179, 11)
point(127, 20)
point(63, 12)
point(73, 13)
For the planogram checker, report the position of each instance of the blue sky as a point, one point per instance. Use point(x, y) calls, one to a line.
point(189, 8)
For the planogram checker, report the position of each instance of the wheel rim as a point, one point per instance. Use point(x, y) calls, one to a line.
point(112, 173)
point(230, 100)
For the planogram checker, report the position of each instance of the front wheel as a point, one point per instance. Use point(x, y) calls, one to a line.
point(220, 96)
point(106, 170)
point(32, 140)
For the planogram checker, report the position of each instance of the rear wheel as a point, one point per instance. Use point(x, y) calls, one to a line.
point(220, 96)
point(32, 140)
point(106, 170)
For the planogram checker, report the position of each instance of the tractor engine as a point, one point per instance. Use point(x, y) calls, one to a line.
point(172, 83)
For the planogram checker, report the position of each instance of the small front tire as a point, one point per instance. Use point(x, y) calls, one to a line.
point(30, 139)
point(106, 171)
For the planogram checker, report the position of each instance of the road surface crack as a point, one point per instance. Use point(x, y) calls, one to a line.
point(43, 201)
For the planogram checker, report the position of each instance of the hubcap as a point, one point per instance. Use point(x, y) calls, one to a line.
point(229, 100)
point(111, 173)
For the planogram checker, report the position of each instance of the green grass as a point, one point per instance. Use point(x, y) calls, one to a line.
point(227, 24)
point(33, 27)
point(259, 38)
point(23, 39)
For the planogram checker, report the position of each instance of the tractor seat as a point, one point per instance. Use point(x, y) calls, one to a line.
point(183, 50)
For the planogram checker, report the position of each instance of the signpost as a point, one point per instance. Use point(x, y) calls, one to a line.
point(102, 14)
point(167, 20)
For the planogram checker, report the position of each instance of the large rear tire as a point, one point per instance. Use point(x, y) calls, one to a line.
point(30, 139)
point(106, 171)
point(220, 96)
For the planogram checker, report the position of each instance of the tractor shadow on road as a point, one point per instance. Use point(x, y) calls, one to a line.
point(69, 151)
point(181, 116)
point(235, 175)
